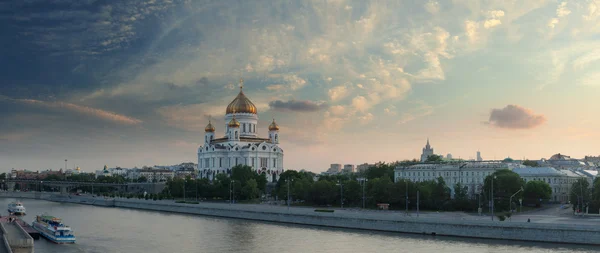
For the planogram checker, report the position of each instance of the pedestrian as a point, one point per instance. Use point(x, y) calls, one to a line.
point(528, 220)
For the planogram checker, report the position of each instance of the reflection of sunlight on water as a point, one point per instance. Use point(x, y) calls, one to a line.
point(100, 229)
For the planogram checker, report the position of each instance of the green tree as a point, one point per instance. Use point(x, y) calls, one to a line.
point(142, 179)
point(323, 192)
point(380, 170)
point(536, 190)
point(580, 194)
point(380, 190)
point(530, 163)
point(250, 190)
point(434, 159)
point(506, 183)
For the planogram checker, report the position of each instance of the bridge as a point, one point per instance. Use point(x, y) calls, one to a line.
point(13, 238)
point(67, 186)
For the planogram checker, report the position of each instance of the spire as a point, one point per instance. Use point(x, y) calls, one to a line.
point(241, 83)
point(427, 141)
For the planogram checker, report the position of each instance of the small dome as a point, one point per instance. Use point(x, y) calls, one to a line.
point(78, 169)
point(234, 122)
point(273, 126)
point(241, 104)
point(209, 127)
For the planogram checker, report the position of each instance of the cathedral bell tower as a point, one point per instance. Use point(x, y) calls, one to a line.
point(209, 133)
point(274, 132)
point(234, 129)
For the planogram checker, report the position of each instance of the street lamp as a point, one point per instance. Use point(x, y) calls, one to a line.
point(520, 205)
point(510, 199)
point(288, 191)
point(492, 198)
point(364, 182)
point(341, 193)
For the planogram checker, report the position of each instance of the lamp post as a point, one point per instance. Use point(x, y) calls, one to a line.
point(492, 198)
point(364, 182)
point(288, 191)
point(196, 184)
point(341, 193)
point(406, 193)
point(510, 200)
point(184, 190)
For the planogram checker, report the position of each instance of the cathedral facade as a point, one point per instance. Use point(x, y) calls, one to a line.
point(240, 144)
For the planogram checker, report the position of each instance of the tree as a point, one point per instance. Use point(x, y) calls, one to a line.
point(535, 191)
point(506, 183)
point(580, 194)
point(434, 159)
point(142, 179)
point(380, 170)
point(323, 192)
point(250, 190)
point(530, 163)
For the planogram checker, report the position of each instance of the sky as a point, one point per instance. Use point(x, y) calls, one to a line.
point(133, 82)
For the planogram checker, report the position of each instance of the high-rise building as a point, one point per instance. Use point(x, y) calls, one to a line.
point(427, 151)
point(335, 168)
point(449, 156)
point(348, 168)
point(479, 159)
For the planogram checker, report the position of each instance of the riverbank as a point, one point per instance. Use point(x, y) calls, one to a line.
point(352, 219)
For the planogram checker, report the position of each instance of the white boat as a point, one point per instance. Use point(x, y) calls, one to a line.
point(16, 208)
point(53, 229)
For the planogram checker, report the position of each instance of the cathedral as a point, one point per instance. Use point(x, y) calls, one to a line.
point(240, 143)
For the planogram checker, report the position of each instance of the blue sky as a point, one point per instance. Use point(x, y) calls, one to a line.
point(132, 83)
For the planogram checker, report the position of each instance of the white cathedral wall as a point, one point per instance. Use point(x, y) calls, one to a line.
point(248, 123)
point(244, 157)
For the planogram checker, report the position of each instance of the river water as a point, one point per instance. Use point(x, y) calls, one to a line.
point(102, 229)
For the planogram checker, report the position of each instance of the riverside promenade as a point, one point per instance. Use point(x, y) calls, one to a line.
point(449, 224)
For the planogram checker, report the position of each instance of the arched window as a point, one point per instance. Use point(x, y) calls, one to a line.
point(236, 135)
point(211, 138)
point(276, 137)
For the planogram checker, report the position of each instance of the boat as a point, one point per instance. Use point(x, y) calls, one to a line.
point(53, 229)
point(16, 208)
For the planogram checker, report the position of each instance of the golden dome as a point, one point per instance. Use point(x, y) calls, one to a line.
point(273, 126)
point(209, 127)
point(234, 122)
point(241, 104)
point(78, 169)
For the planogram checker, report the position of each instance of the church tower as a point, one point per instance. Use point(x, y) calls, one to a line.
point(209, 133)
point(274, 132)
point(233, 129)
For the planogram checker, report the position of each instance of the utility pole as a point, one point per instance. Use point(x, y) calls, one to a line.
point(196, 184)
point(364, 183)
point(493, 197)
point(341, 194)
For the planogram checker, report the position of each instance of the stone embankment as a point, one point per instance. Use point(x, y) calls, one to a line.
point(378, 221)
point(14, 238)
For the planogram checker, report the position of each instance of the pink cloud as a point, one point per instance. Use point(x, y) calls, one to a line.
point(515, 117)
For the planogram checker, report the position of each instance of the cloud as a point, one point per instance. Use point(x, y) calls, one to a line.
point(337, 93)
point(515, 117)
point(432, 7)
point(562, 10)
point(87, 111)
point(297, 105)
point(360, 103)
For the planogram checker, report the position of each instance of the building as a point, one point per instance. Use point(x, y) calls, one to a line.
point(103, 173)
point(427, 151)
point(362, 168)
point(449, 156)
point(559, 180)
point(348, 168)
point(157, 175)
point(334, 168)
point(470, 175)
point(479, 159)
point(240, 144)
point(561, 161)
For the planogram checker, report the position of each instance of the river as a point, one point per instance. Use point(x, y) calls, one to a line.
point(101, 229)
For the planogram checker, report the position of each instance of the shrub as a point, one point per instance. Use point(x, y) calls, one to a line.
point(324, 210)
point(501, 217)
